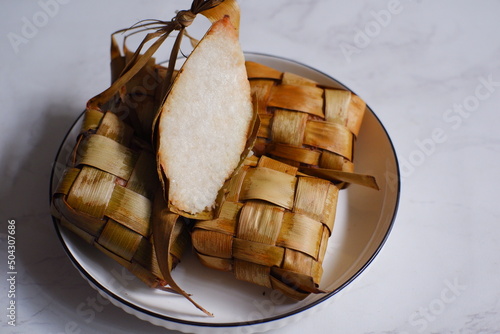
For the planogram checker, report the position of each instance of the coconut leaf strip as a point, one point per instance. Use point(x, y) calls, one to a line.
point(259, 71)
point(212, 243)
point(260, 222)
point(300, 98)
point(67, 180)
point(112, 255)
point(252, 272)
point(330, 209)
point(298, 281)
point(215, 262)
point(357, 110)
point(204, 215)
point(317, 269)
point(106, 154)
point(290, 291)
point(163, 222)
point(344, 108)
point(311, 198)
point(171, 63)
point(261, 89)
point(301, 233)
point(147, 276)
point(87, 237)
point(82, 220)
point(130, 209)
point(145, 256)
point(254, 127)
point(329, 136)
point(329, 160)
point(221, 225)
point(181, 241)
point(337, 106)
point(269, 185)
point(289, 78)
point(297, 261)
point(229, 212)
point(289, 127)
point(233, 186)
point(265, 126)
point(276, 165)
point(304, 155)
point(143, 179)
point(91, 120)
point(335, 175)
point(119, 239)
point(258, 253)
point(113, 128)
point(91, 192)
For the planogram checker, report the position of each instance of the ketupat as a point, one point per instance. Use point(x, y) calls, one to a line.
point(307, 125)
point(272, 228)
point(106, 196)
point(205, 123)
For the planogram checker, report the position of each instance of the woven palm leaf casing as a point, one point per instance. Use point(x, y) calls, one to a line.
point(272, 229)
point(302, 122)
point(106, 193)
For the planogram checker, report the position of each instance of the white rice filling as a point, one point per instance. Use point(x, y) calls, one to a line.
point(205, 122)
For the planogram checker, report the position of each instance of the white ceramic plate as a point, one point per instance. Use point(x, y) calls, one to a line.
point(364, 220)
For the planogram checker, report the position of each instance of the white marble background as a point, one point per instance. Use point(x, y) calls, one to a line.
point(430, 68)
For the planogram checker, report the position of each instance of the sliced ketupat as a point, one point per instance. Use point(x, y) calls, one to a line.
point(204, 124)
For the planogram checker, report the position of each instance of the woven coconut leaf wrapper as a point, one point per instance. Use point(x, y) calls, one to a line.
point(272, 229)
point(106, 194)
point(307, 125)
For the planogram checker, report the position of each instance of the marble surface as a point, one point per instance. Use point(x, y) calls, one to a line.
point(429, 69)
